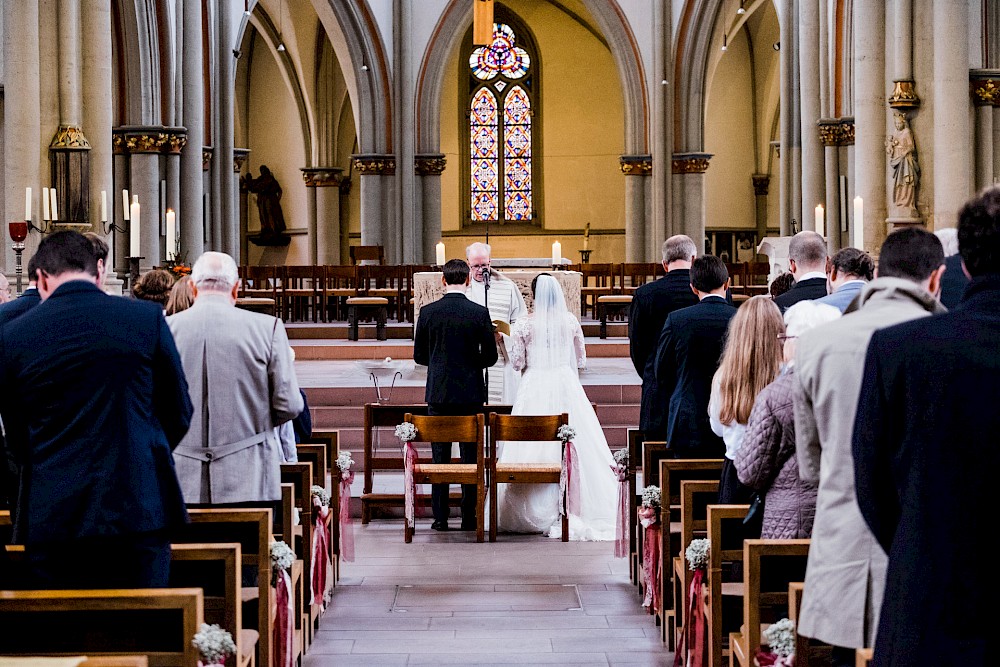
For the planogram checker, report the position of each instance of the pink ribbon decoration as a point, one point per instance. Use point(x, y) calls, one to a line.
point(766, 659)
point(320, 552)
point(569, 482)
point(346, 522)
point(691, 647)
point(284, 625)
point(409, 488)
point(621, 526)
point(651, 557)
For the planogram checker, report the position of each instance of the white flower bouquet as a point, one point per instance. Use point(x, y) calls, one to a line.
point(406, 432)
point(780, 637)
point(621, 458)
point(345, 461)
point(651, 497)
point(566, 433)
point(282, 555)
point(214, 644)
point(322, 494)
point(697, 554)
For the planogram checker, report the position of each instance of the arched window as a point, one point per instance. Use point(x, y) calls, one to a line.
point(500, 129)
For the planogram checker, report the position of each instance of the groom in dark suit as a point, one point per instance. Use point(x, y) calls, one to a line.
point(454, 339)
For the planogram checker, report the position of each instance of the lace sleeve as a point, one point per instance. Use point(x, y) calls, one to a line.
point(519, 339)
point(579, 346)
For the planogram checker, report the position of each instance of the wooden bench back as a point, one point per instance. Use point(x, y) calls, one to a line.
point(315, 454)
point(216, 569)
point(653, 451)
point(725, 533)
point(523, 428)
point(696, 496)
point(673, 472)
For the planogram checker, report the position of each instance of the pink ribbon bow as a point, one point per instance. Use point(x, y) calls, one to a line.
point(346, 522)
point(409, 488)
point(320, 552)
point(651, 557)
point(766, 659)
point(284, 626)
point(691, 648)
point(621, 526)
point(569, 482)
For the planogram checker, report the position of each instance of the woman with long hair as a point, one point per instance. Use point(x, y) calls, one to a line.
point(750, 361)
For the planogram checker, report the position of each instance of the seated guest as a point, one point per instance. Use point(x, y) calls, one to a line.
point(766, 462)
point(239, 365)
point(781, 284)
point(850, 270)
point(954, 280)
point(93, 398)
point(181, 296)
point(154, 286)
point(807, 261)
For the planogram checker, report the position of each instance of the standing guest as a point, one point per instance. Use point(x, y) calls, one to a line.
point(750, 361)
point(154, 286)
point(454, 338)
point(687, 356)
point(850, 269)
point(507, 305)
point(181, 296)
point(303, 423)
point(807, 260)
point(781, 284)
point(93, 399)
point(766, 463)
point(954, 281)
point(845, 575)
point(239, 364)
point(925, 453)
point(651, 304)
point(101, 250)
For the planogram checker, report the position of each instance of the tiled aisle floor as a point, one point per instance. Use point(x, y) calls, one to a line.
point(444, 599)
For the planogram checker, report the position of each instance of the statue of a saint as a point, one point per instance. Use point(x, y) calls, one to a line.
point(902, 152)
point(268, 191)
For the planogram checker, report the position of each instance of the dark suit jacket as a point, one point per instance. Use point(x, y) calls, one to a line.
point(650, 306)
point(687, 357)
point(925, 461)
point(19, 306)
point(303, 424)
point(953, 282)
point(94, 398)
point(807, 290)
point(454, 339)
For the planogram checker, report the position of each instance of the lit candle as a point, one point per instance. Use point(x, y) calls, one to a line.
point(134, 228)
point(124, 204)
point(819, 219)
point(45, 204)
point(104, 205)
point(859, 223)
point(171, 234)
point(440, 254)
point(27, 203)
point(55, 214)
point(556, 252)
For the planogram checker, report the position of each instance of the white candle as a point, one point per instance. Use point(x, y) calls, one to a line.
point(124, 204)
point(104, 205)
point(27, 203)
point(45, 204)
point(55, 214)
point(819, 219)
point(556, 252)
point(171, 236)
point(440, 254)
point(134, 229)
point(859, 223)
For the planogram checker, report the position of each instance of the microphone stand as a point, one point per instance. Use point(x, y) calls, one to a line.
point(486, 302)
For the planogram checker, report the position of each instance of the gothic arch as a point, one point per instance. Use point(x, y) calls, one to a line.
point(136, 40)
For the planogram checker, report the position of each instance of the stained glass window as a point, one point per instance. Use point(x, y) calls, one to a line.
point(500, 116)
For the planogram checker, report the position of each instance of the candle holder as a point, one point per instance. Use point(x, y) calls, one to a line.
point(113, 227)
point(133, 271)
point(18, 233)
point(42, 228)
point(585, 256)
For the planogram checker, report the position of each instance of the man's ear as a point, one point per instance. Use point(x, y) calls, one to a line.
point(934, 285)
point(468, 280)
point(691, 285)
point(235, 292)
point(791, 265)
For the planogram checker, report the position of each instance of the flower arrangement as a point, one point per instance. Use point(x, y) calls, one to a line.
point(282, 555)
point(214, 644)
point(180, 270)
point(651, 497)
point(697, 554)
point(345, 461)
point(566, 433)
point(780, 637)
point(406, 432)
point(322, 494)
point(621, 458)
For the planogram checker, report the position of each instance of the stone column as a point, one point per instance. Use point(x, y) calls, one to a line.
point(904, 92)
point(240, 157)
point(428, 168)
point(689, 186)
point(661, 225)
point(345, 228)
point(786, 120)
point(97, 112)
point(408, 226)
point(206, 199)
point(192, 189)
point(144, 145)
point(952, 127)
point(229, 242)
point(116, 209)
point(761, 182)
point(834, 133)
point(172, 148)
point(323, 184)
point(637, 168)
point(809, 110)
point(372, 168)
point(985, 98)
point(870, 117)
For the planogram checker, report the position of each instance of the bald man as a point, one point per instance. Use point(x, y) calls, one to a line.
point(808, 262)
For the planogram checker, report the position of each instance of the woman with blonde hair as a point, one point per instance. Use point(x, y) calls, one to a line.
point(181, 296)
point(750, 361)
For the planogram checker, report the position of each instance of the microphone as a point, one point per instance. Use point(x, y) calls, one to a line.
point(486, 277)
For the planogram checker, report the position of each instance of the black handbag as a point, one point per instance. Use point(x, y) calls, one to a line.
point(755, 515)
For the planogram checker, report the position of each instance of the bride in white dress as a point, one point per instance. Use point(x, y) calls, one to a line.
point(548, 347)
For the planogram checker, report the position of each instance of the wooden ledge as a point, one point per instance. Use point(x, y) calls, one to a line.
point(367, 301)
point(614, 298)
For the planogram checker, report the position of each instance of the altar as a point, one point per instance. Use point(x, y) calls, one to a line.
point(427, 287)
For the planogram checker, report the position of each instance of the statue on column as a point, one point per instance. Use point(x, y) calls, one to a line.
point(902, 152)
point(272, 220)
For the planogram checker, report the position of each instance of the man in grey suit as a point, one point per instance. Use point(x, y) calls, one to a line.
point(242, 386)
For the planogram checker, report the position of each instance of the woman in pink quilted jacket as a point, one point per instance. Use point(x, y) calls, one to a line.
point(766, 462)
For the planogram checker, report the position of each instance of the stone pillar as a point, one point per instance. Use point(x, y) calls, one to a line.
point(834, 133)
point(661, 224)
point(429, 167)
point(904, 91)
point(761, 182)
point(809, 111)
point(407, 230)
point(208, 193)
point(345, 228)
point(638, 168)
point(373, 168)
point(786, 119)
point(192, 189)
point(240, 157)
point(689, 186)
point(952, 128)
point(323, 184)
point(144, 145)
point(97, 112)
point(870, 117)
point(118, 251)
point(985, 98)
point(172, 148)
point(229, 242)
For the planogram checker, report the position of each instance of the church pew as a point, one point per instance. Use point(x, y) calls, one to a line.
point(808, 652)
point(331, 441)
point(324, 476)
point(652, 453)
point(300, 476)
point(157, 623)
point(634, 444)
point(695, 497)
point(724, 593)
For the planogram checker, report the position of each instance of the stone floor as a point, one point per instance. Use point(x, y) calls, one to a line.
point(444, 599)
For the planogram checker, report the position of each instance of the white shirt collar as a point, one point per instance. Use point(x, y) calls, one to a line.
point(811, 275)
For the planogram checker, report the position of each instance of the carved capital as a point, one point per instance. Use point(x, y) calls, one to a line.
point(118, 145)
point(836, 131)
point(145, 143)
point(240, 157)
point(375, 165)
point(904, 95)
point(636, 165)
point(760, 184)
point(690, 163)
point(174, 143)
point(323, 177)
point(984, 87)
point(431, 164)
point(70, 138)
point(206, 157)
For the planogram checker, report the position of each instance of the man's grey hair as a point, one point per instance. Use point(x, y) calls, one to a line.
point(477, 246)
point(807, 248)
point(949, 240)
point(679, 247)
point(215, 271)
point(806, 315)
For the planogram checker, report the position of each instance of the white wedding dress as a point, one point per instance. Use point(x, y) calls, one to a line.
point(548, 346)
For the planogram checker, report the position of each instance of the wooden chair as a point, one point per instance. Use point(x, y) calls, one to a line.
point(523, 428)
point(406, 289)
point(769, 567)
point(635, 275)
point(737, 277)
point(300, 292)
point(362, 253)
point(595, 280)
point(696, 495)
point(158, 623)
point(338, 283)
point(376, 281)
point(452, 429)
point(757, 274)
point(259, 282)
point(723, 597)
point(612, 306)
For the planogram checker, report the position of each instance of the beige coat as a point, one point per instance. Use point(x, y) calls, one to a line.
point(845, 576)
point(242, 384)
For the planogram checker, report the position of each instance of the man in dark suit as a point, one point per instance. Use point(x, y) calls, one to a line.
point(926, 460)
point(650, 306)
point(808, 262)
point(93, 399)
point(455, 340)
point(687, 356)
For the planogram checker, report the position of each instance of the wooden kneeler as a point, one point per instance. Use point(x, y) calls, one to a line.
point(451, 429)
point(523, 428)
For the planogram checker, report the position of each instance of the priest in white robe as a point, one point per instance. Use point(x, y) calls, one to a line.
point(506, 305)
